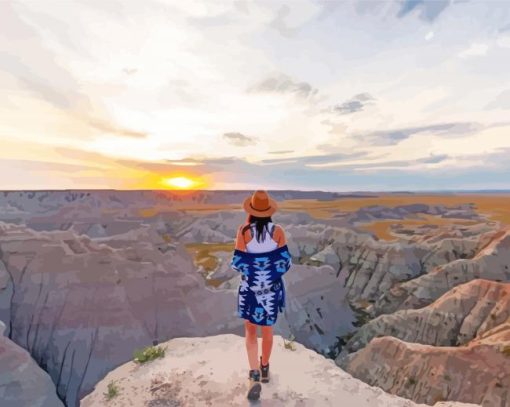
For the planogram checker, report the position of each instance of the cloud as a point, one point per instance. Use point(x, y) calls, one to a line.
point(475, 50)
point(37, 84)
point(395, 136)
point(119, 131)
point(356, 104)
point(285, 85)
point(288, 19)
point(429, 10)
point(434, 159)
point(502, 101)
point(281, 152)
point(239, 139)
point(505, 28)
point(316, 159)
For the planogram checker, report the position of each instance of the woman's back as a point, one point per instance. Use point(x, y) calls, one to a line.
point(266, 243)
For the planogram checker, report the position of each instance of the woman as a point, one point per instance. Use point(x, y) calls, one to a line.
point(262, 256)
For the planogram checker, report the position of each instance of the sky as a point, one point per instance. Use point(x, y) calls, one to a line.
point(311, 94)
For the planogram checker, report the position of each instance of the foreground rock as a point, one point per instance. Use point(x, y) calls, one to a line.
point(22, 382)
point(212, 371)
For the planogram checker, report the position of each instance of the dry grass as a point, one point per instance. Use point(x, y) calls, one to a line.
point(203, 255)
point(497, 207)
point(382, 228)
point(494, 207)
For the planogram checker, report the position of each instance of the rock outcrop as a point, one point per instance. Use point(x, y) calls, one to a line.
point(372, 268)
point(81, 307)
point(213, 371)
point(456, 318)
point(478, 372)
point(22, 382)
point(491, 262)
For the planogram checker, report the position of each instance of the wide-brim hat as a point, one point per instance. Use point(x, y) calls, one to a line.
point(260, 204)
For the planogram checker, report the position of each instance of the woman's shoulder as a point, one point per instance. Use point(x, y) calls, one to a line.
point(278, 230)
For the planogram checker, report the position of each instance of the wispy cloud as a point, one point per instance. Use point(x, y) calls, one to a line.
point(106, 127)
point(239, 139)
point(316, 159)
point(429, 10)
point(284, 84)
point(502, 101)
point(475, 50)
point(395, 136)
point(355, 104)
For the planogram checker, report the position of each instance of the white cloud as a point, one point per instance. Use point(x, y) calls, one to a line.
point(475, 50)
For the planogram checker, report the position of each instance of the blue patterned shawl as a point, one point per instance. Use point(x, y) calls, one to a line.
point(261, 291)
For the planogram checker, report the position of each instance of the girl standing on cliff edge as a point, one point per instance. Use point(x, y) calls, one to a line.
point(262, 256)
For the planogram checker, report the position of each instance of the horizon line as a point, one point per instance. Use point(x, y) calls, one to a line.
point(405, 191)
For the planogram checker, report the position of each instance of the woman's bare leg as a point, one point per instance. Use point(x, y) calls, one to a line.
point(252, 346)
point(267, 343)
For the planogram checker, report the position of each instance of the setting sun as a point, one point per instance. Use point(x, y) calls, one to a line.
point(180, 182)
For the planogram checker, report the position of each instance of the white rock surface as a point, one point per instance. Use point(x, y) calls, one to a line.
point(213, 371)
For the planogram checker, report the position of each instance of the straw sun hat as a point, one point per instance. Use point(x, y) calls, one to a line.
point(260, 204)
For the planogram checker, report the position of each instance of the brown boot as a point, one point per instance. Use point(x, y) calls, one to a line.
point(254, 386)
point(264, 370)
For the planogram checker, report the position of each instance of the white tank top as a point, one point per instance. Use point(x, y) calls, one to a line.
point(266, 244)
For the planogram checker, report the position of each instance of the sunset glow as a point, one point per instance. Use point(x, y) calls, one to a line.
point(180, 182)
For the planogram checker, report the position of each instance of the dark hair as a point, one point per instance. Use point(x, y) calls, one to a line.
point(260, 224)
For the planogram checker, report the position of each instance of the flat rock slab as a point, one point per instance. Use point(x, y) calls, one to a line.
point(213, 371)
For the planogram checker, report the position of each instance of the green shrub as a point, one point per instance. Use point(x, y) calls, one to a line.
point(113, 391)
point(506, 350)
point(289, 345)
point(148, 353)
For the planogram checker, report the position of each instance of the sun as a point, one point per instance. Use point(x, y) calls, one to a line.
point(179, 182)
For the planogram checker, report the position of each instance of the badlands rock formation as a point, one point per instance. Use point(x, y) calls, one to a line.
point(212, 371)
point(393, 350)
point(478, 372)
point(456, 318)
point(81, 307)
point(87, 277)
point(492, 262)
point(22, 382)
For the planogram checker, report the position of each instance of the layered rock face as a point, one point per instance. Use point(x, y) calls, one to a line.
point(213, 371)
point(22, 382)
point(410, 352)
point(373, 269)
point(491, 262)
point(456, 318)
point(81, 307)
point(478, 373)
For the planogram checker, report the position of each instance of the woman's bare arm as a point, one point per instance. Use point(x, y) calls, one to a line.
point(240, 243)
point(279, 236)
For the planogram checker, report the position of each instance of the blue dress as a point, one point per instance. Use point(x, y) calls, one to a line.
point(261, 293)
